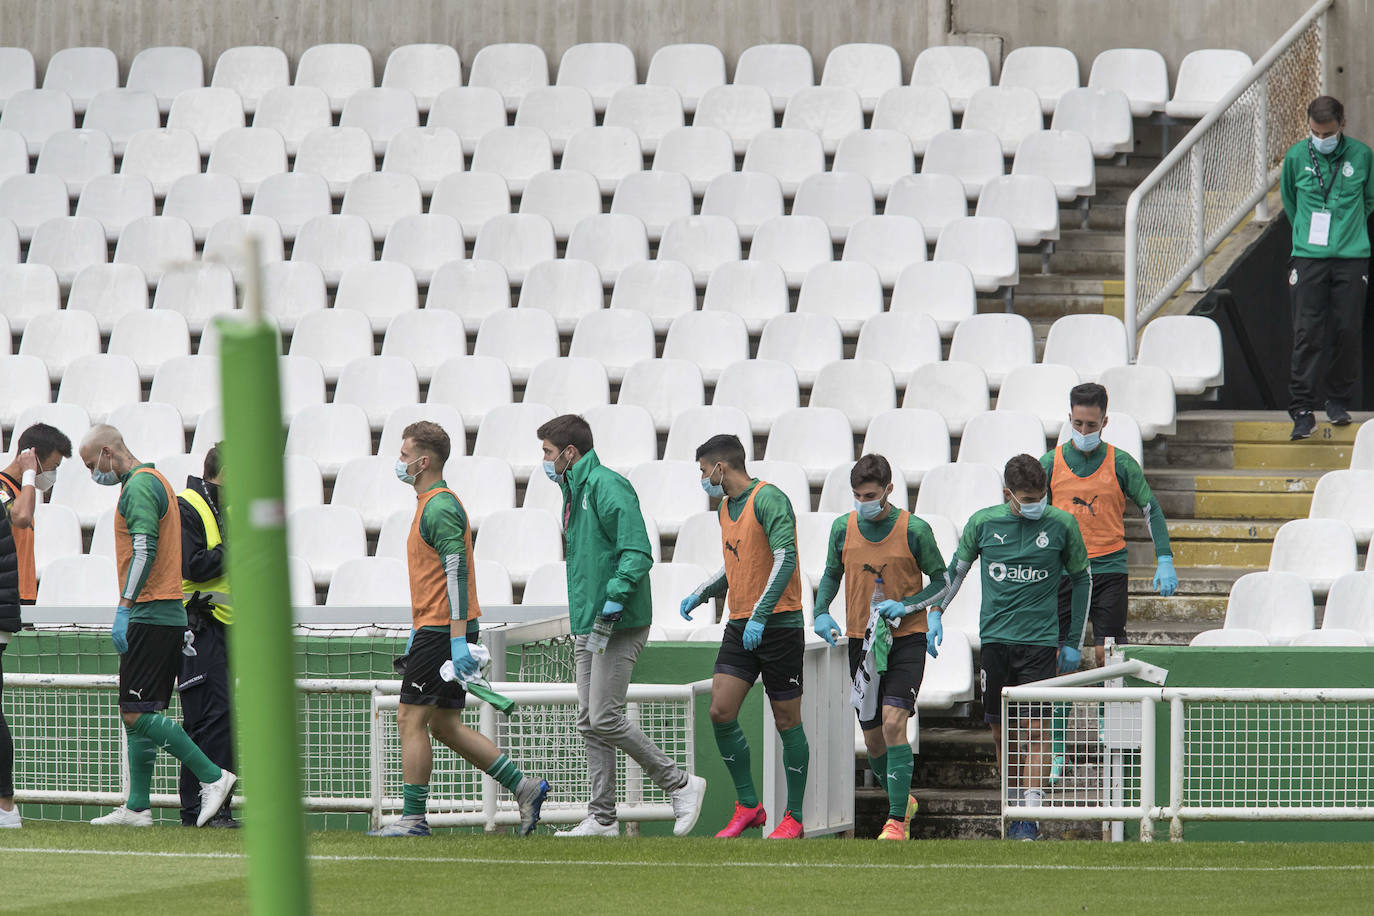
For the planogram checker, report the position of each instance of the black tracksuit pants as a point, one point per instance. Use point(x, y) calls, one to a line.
point(1328, 302)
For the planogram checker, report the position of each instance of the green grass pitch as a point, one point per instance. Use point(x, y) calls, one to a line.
point(55, 868)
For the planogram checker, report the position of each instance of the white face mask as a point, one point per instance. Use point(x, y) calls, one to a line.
point(44, 479)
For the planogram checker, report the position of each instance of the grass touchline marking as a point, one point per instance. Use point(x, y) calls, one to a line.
point(579, 863)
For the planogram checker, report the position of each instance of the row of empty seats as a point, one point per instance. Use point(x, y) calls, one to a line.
point(603, 68)
point(1276, 609)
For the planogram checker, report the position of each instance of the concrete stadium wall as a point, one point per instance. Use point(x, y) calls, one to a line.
point(1174, 27)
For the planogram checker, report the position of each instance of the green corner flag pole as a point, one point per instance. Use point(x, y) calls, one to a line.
point(268, 737)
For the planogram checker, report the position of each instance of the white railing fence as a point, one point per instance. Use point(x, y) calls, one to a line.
point(1236, 754)
point(69, 748)
point(1220, 171)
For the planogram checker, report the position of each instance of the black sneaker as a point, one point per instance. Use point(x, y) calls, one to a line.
point(1303, 425)
point(1337, 414)
point(223, 820)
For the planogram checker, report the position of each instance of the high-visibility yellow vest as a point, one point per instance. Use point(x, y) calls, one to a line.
point(221, 603)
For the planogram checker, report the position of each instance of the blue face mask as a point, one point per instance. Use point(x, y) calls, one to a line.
point(105, 478)
point(403, 471)
point(1325, 145)
point(713, 490)
point(869, 510)
point(1033, 511)
point(551, 471)
point(1086, 442)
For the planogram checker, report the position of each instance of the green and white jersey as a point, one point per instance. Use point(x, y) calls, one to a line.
point(1023, 560)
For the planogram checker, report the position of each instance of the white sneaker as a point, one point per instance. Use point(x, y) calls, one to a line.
point(687, 803)
point(590, 826)
point(10, 818)
point(123, 817)
point(213, 795)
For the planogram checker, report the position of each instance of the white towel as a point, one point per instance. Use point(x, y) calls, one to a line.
point(864, 694)
point(479, 654)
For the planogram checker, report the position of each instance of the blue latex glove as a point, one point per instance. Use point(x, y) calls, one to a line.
point(1166, 580)
point(1069, 659)
point(826, 627)
point(689, 604)
point(893, 609)
point(119, 631)
point(753, 633)
point(409, 642)
point(463, 662)
point(936, 632)
point(613, 609)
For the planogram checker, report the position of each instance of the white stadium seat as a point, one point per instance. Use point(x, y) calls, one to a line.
point(472, 198)
point(56, 534)
point(291, 290)
point(250, 155)
point(851, 292)
point(740, 111)
point(333, 338)
point(369, 485)
point(867, 69)
point(997, 343)
point(521, 540)
point(837, 494)
point(650, 111)
point(516, 241)
point(28, 290)
point(326, 537)
point(1102, 115)
point(17, 72)
point(67, 244)
point(559, 111)
point(911, 439)
point(564, 197)
point(100, 383)
point(703, 243)
point(829, 111)
point(932, 199)
point(1041, 389)
point(694, 425)
point(1204, 77)
point(1010, 112)
point(568, 384)
point(789, 154)
point(888, 243)
point(787, 476)
point(1091, 344)
point(203, 200)
point(1138, 72)
point(794, 243)
point(690, 69)
point(839, 199)
point(1277, 604)
point(663, 290)
point(382, 198)
point(566, 289)
point(615, 338)
point(161, 156)
point(748, 198)
point(58, 338)
point(225, 243)
point(150, 339)
point(426, 338)
point(424, 242)
point(957, 69)
point(469, 111)
point(381, 291)
point(156, 244)
point(600, 67)
point(150, 429)
point(807, 341)
point(656, 198)
point(762, 388)
point(781, 69)
point(956, 491)
point(197, 292)
point(484, 484)
point(973, 156)
point(957, 390)
point(986, 245)
point(338, 154)
point(77, 491)
point(207, 113)
point(1028, 202)
point(512, 69)
point(76, 156)
point(473, 384)
point(860, 388)
point(472, 290)
point(624, 435)
point(668, 583)
point(383, 113)
point(515, 153)
point(902, 341)
point(339, 69)
point(31, 200)
point(294, 112)
point(334, 243)
point(81, 73)
point(700, 153)
point(919, 112)
point(116, 201)
point(994, 437)
point(882, 156)
point(698, 540)
point(663, 387)
point(754, 290)
point(817, 438)
point(1321, 550)
point(1350, 604)
point(379, 385)
point(331, 435)
point(79, 581)
point(1188, 347)
point(670, 491)
point(611, 241)
point(24, 380)
point(426, 154)
point(547, 585)
point(445, 415)
point(370, 582)
point(813, 543)
point(1049, 72)
point(191, 384)
point(424, 69)
point(292, 199)
point(1346, 495)
point(609, 153)
point(508, 432)
point(1064, 157)
point(37, 114)
point(1146, 393)
point(523, 338)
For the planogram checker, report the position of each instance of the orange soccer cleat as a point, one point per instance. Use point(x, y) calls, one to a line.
point(893, 831)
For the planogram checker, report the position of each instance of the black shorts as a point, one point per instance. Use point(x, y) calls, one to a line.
point(1011, 664)
point(149, 668)
point(899, 684)
point(421, 684)
point(1106, 610)
point(778, 658)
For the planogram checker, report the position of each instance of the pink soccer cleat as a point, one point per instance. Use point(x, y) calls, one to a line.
point(789, 829)
point(744, 819)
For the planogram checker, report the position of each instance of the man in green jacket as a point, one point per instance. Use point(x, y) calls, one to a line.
point(608, 556)
point(1328, 194)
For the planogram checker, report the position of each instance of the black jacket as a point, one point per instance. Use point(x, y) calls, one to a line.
point(10, 621)
point(197, 563)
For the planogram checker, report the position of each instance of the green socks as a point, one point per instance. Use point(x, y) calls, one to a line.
point(415, 798)
point(161, 731)
point(796, 757)
point(879, 767)
point(900, 762)
point(142, 752)
point(734, 750)
point(1057, 724)
point(505, 772)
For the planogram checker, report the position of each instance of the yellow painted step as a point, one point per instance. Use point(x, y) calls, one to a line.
point(1263, 431)
point(1247, 554)
point(1307, 454)
point(1252, 505)
point(1188, 529)
point(1230, 483)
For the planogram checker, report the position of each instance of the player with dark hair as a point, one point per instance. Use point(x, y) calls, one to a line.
point(203, 686)
point(149, 630)
point(444, 611)
point(1026, 546)
point(764, 633)
point(880, 545)
point(608, 553)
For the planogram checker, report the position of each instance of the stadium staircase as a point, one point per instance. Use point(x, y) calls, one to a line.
point(1226, 481)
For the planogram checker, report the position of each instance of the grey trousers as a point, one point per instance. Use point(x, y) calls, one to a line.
point(602, 682)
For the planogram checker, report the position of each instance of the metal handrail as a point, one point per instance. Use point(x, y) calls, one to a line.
point(1135, 315)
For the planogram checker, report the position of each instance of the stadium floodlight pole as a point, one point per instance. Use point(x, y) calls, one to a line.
point(262, 657)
